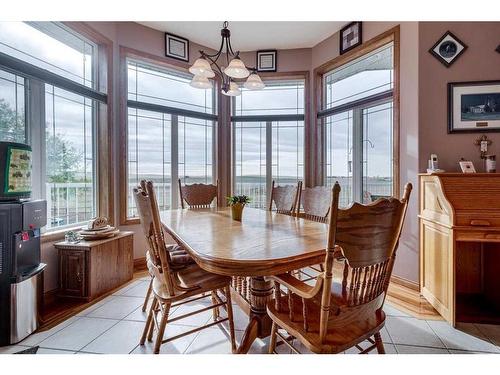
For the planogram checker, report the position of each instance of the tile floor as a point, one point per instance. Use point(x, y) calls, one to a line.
point(114, 325)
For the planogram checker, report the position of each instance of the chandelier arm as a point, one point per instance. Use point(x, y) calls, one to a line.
point(218, 53)
point(231, 48)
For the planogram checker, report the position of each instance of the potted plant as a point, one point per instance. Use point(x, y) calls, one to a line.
point(237, 202)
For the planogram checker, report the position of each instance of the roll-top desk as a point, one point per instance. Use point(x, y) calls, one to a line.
point(460, 245)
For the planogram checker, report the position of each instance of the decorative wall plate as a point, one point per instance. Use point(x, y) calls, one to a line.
point(448, 48)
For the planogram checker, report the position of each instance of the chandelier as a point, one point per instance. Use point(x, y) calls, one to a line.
point(235, 69)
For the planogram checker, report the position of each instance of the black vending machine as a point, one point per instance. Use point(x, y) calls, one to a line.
point(20, 267)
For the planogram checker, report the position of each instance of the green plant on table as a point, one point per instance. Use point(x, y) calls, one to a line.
point(234, 199)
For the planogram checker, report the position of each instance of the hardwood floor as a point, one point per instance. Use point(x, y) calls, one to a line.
point(410, 301)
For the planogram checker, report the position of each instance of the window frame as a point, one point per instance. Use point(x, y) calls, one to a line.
point(35, 80)
point(268, 120)
point(145, 58)
point(390, 36)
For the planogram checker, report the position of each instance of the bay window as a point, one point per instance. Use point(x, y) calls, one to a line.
point(170, 132)
point(50, 98)
point(268, 138)
point(358, 126)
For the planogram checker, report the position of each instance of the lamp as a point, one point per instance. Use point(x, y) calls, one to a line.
point(233, 90)
point(254, 82)
point(207, 66)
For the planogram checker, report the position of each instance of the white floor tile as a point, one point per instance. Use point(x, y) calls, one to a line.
point(137, 315)
point(212, 341)
point(407, 349)
point(411, 331)
point(118, 308)
point(138, 290)
point(78, 334)
point(95, 306)
point(465, 337)
point(389, 349)
point(127, 287)
point(390, 310)
point(53, 351)
point(193, 320)
point(38, 337)
point(177, 346)
point(122, 338)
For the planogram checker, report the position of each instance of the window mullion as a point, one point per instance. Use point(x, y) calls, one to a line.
point(357, 154)
point(37, 134)
point(269, 159)
point(174, 152)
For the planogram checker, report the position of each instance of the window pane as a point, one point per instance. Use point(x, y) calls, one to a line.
point(250, 161)
point(288, 152)
point(277, 98)
point(377, 152)
point(195, 150)
point(12, 108)
point(368, 75)
point(339, 166)
point(160, 86)
point(149, 155)
point(70, 182)
point(50, 46)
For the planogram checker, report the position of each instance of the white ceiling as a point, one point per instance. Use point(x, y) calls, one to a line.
point(252, 35)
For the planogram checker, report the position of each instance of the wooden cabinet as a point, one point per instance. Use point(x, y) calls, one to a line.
point(460, 245)
point(89, 269)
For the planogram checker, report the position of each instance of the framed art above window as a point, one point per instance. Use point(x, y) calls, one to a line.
point(267, 60)
point(176, 47)
point(350, 37)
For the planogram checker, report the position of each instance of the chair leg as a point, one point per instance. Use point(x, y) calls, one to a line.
point(216, 313)
point(161, 328)
point(227, 291)
point(148, 294)
point(154, 305)
point(379, 343)
point(274, 336)
point(149, 323)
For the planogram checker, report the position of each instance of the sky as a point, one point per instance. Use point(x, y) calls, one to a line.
point(153, 134)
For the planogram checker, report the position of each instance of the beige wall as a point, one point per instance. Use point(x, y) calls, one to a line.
point(479, 62)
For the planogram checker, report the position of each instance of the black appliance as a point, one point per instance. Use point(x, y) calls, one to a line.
point(20, 267)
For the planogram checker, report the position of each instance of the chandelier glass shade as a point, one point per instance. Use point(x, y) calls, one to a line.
point(208, 65)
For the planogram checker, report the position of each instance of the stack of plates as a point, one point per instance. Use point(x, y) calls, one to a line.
point(99, 234)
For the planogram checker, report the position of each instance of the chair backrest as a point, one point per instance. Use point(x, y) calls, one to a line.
point(364, 238)
point(315, 203)
point(149, 215)
point(198, 195)
point(284, 198)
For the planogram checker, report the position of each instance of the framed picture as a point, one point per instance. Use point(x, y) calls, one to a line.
point(176, 47)
point(467, 166)
point(267, 60)
point(473, 106)
point(498, 48)
point(350, 37)
point(447, 49)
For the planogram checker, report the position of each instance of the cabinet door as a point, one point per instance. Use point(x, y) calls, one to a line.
point(73, 273)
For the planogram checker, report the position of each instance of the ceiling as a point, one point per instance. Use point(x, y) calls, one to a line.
point(252, 35)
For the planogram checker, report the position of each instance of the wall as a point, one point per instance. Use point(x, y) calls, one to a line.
point(407, 258)
point(478, 63)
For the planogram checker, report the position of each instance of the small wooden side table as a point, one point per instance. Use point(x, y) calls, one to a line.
point(89, 269)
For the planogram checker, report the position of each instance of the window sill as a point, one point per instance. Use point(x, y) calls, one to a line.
point(57, 235)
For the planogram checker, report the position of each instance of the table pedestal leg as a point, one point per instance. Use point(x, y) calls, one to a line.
point(261, 292)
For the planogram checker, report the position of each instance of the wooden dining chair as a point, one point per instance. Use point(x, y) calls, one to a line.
point(344, 307)
point(175, 281)
point(313, 204)
point(198, 195)
point(284, 198)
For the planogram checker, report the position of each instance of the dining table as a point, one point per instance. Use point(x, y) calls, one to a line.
point(262, 244)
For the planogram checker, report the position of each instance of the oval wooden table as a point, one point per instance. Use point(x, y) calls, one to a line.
point(264, 243)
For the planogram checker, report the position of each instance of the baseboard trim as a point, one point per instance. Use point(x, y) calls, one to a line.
point(405, 282)
point(140, 264)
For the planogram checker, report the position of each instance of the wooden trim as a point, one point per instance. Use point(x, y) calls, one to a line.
point(140, 264)
point(402, 295)
point(405, 282)
point(391, 35)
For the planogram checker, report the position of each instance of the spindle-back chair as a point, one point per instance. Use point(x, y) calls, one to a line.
point(344, 307)
point(284, 198)
point(198, 195)
point(175, 284)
